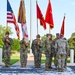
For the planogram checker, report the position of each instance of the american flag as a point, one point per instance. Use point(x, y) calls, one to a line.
point(11, 19)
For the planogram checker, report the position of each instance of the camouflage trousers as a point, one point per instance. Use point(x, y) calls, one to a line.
point(7, 53)
point(23, 58)
point(55, 60)
point(48, 60)
point(61, 61)
point(7, 58)
point(37, 60)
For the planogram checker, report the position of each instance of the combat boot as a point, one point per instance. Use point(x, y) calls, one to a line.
point(6, 66)
point(23, 66)
point(62, 70)
point(47, 68)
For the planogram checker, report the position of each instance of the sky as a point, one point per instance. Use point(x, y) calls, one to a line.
point(59, 7)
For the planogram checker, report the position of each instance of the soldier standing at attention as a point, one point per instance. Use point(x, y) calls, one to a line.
point(61, 46)
point(54, 51)
point(23, 53)
point(7, 49)
point(48, 52)
point(37, 51)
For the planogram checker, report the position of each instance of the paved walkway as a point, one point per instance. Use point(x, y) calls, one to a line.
point(30, 61)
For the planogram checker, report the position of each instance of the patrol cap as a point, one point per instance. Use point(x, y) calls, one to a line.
point(61, 35)
point(7, 33)
point(57, 34)
point(64, 38)
point(38, 36)
point(47, 35)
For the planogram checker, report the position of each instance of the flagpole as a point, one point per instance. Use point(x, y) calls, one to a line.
point(49, 25)
point(30, 25)
point(37, 18)
point(37, 26)
point(6, 26)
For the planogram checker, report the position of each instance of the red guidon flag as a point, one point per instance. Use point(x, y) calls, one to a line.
point(62, 27)
point(49, 16)
point(40, 16)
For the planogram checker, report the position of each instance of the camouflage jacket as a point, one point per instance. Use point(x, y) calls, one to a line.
point(61, 46)
point(48, 45)
point(23, 45)
point(7, 44)
point(36, 46)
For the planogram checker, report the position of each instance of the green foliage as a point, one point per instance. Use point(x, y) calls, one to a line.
point(2, 33)
point(71, 41)
point(1, 43)
point(3, 30)
point(29, 45)
point(15, 44)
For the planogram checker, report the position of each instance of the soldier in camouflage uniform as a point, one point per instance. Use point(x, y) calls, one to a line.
point(37, 51)
point(23, 53)
point(61, 46)
point(54, 51)
point(48, 52)
point(7, 49)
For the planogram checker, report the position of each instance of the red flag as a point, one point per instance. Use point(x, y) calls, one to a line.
point(62, 27)
point(40, 16)
point(49, 16)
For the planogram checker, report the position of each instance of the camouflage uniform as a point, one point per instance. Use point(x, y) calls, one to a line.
point(54, 52)
point(23, 53)
point(7, 51)
point(48, 52)
point(37, 52)
point(61, 46)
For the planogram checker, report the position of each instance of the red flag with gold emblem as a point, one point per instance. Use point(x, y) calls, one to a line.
point(49, 15)
point(40, 16)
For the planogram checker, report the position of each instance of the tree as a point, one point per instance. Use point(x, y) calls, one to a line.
point(71, 40)
point(3, 30)
point(2, 33)
point(16, 44)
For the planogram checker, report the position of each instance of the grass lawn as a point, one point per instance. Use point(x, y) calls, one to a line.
point(44, 59)
point(13, 59)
